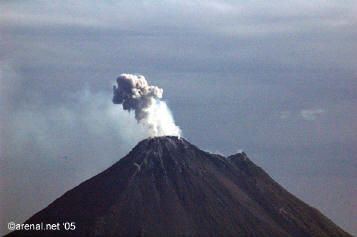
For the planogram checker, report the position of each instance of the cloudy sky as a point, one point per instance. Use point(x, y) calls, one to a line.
point(277, 79)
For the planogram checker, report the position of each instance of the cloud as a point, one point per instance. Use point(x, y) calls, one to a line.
point(135, 94)
point(311, 114)
point(305, 114)
point(244, 18)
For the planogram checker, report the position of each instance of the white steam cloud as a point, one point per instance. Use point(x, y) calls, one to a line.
point(311, 114)
point(134, 93)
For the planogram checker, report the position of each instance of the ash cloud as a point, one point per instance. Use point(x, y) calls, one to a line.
point(135, 94)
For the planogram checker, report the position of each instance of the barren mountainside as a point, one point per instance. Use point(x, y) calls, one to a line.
point(168, 187)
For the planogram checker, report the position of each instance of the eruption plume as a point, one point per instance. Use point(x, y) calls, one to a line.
point(134, 93)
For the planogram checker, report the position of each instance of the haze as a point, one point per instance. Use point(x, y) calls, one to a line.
point(276, 79)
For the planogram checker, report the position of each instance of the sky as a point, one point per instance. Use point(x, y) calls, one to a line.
point(275, 79)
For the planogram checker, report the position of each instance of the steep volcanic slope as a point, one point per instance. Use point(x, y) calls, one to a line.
point(167, 187)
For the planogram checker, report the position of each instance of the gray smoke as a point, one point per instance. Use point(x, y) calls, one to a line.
point(134, 93)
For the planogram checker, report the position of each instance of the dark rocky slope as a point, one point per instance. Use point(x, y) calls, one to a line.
point(167, 187)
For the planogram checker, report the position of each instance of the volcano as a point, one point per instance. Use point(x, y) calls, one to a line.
point(168, 187)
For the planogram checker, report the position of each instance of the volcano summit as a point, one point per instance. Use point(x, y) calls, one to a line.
point(168, 187)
